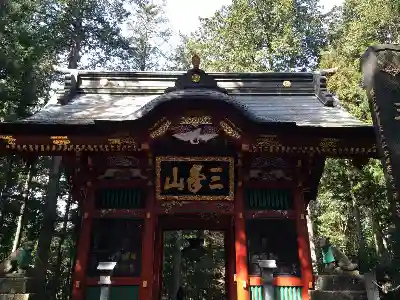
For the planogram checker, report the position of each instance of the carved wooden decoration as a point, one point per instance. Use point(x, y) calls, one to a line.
point(195, 178)
point(121, 167)
point(123, 174)
point(195, 129)
point(269, 169)
point(122, 161)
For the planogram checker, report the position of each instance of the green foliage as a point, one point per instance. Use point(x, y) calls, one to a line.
point(249, 35)
point(259, 36)
point(34, 35)
point(354, 27)
point(148, 35)
point(202, 276)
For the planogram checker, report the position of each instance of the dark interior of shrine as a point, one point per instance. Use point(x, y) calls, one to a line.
point(273, 239)
point(117, 240)
point(194, 263)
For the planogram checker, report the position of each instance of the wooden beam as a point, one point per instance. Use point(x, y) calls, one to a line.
point(271, 214)
point(195, 207)
point(120, 213)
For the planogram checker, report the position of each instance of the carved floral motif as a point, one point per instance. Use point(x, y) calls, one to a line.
point(9, 139)
point(122, 174)
point(329, 143)
point(122, 161)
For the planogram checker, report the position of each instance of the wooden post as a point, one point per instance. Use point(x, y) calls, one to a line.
point(302, 241)
point(242, 276)
point(230, 263)
point(148, 242)
point(79, 276)
point(158, 263)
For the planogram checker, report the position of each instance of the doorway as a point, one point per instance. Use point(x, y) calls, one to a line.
point(194, 259)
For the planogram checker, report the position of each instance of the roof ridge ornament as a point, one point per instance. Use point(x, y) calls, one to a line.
point(196, 78)
point(196, 61)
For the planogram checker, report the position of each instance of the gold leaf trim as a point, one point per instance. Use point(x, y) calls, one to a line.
point(9, 139)
point(229, 197)
point(162, 129)
point(229, 130)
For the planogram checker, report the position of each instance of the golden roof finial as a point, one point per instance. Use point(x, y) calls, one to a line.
point(196, 61)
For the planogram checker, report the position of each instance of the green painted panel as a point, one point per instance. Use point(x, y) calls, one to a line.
point(281, 293)
point(256, 293)
point(116, 293)
point(120, 198)
point(268, 199)
point(124, 293)
point(288, 293)
point(92, 293)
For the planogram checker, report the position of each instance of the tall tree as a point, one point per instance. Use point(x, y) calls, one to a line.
point(148, 33)
point(260, 35)
point(353, 27)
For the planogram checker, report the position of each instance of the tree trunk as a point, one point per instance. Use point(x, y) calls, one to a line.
point(362, 255)
point(21, 216)
point(57, 272)
point(380, 248)
point(47, 231)
point(7, 185)
point(311, 239)
point(177, 264)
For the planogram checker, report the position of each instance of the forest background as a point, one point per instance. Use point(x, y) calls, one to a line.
point(247, 35)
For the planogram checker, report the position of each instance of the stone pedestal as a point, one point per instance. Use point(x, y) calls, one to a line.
point(13, 287)
point(339, 287)
point(15, 296)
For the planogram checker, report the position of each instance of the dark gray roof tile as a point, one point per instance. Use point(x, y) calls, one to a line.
point(304, 110)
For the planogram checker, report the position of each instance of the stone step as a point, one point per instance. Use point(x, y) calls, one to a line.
point(337, 295)
point(339, 283)
point(15, 296)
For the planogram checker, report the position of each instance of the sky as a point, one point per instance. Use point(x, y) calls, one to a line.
point(189, 21)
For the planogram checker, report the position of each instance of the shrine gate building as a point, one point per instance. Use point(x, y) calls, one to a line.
point(152, 152)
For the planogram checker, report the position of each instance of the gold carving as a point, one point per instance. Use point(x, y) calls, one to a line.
point(60, 140)
point(329, 143)
point(9, 139)
point(160, 130)
point(229, 129)
point(196, 78)
point(194, 179)
point(287, 84)
point(114, 141)
point(214, 185)
point(126, 141)
point(176, 182)
point(268, 141)
point(196, 121)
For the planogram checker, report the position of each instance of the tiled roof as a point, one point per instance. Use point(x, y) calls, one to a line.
point(261, 96)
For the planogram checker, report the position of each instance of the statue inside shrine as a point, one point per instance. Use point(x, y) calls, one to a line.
point(125, 258)
point(19, 261)
point(335, 261)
